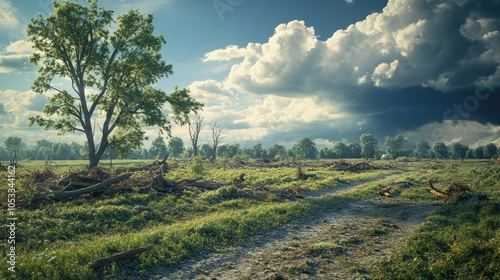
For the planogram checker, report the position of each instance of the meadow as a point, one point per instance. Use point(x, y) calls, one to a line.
point(59, 239)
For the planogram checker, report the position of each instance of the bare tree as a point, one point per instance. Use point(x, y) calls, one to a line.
point(194, 132)
point(216, 131)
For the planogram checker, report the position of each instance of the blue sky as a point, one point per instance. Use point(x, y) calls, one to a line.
point(276, 71)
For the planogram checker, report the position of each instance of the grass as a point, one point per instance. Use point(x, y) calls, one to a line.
point(57, 241)
point(460, 241)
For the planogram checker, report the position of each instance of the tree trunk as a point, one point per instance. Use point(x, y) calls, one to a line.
point(93, 160)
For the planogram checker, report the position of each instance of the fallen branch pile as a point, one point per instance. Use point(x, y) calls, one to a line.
point(461, 191)
point(98, 181)
point(346, 166)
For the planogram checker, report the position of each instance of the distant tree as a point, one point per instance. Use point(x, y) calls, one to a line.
point(394, 144)
point(423, 148)
point(256, 151)
point(232, 150)
point(145, 153)
point(75, 150)
point(175, 146)
point(305, 149)
point(479, 152)
point(341, 149)
point(276, 150)
point(216, 134)
point(112, 67)
point(61, 151)
point(490, 150)
point(3, 154)
point(158, 148)
point(326, 153)
point(205, 151)
point(13, 145)
point(195, 128)
point(354, 150)
point(222, 151)
point(111, 154)
point(469, 154)
point(188, 153)
point(458, 150)
point(441, 150)
point(368, 145)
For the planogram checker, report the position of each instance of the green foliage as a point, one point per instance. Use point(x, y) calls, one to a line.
point(13, 144)
point(197, 167)
point(305, 149)
point(394, 144)
point(341, 149)
point(422, 150)
point(441, 150)
point(175, 146)
point(110, 72)
point(458, 151)
point(158, 148)
point(369, 145)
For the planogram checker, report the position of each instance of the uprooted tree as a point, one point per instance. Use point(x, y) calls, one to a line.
point(110, 97)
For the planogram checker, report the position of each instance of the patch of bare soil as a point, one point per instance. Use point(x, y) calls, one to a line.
point(341, 243)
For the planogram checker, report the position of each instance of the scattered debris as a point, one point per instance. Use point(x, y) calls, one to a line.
point(303, 176)
point(239, 180)
point(461, 191)
point(343, 165)
point(385, 191)
point(495, 161)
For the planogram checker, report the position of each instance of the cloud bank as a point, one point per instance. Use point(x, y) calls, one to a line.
point(413, 64)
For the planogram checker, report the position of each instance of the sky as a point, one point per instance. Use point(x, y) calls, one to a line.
point(277, 71)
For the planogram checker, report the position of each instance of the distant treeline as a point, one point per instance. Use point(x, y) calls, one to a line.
point(367, 147)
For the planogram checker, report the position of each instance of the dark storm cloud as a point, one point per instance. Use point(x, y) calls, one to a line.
point(387, 112)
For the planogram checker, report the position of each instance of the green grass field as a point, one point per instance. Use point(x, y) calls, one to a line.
point(57, 240)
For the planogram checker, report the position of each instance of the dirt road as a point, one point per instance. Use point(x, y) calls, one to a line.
point(342, 243)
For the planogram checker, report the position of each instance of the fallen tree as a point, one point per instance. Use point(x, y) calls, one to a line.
point(61, 195)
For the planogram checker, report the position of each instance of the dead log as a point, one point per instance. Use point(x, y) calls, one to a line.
point(435, 191)
point(385, 191)
point(75, 185)
point(119, 257)
point(94, 188)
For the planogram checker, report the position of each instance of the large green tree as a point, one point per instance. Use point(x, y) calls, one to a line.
point(111, 66)
point(394, 144)
point(369, 145)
